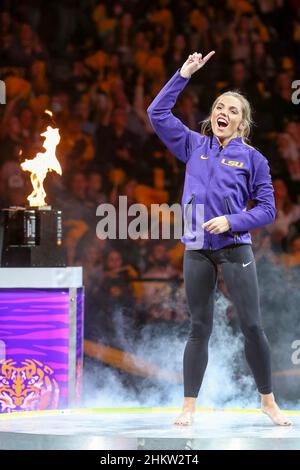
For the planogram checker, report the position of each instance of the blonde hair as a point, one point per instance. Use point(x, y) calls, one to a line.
point(246, 115)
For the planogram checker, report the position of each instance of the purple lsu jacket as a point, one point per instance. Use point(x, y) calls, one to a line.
point(218, 181)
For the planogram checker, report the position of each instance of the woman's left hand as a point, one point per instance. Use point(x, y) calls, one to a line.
point(217, 224)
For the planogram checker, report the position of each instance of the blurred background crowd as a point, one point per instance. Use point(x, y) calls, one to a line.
point(97, 65)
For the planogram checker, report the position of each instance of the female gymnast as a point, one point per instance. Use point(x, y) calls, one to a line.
point(222, 173)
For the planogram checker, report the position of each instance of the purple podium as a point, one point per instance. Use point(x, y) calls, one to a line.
point(41, 338)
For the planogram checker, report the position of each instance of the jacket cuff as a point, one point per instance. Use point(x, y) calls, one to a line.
point(232, 221)
point(182, 78)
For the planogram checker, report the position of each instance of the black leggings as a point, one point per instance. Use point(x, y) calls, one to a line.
point(200, 280)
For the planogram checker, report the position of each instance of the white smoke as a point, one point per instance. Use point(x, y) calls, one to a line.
point(228, 381)
point(223, 383)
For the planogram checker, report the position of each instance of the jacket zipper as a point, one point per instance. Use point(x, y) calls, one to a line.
point(228, 208)
point(211, 173)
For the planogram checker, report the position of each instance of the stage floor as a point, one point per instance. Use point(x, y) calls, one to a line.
point(146, 428)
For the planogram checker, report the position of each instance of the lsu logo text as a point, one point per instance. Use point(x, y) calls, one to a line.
point(232, 163)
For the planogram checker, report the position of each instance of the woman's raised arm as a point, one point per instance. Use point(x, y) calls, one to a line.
point(172, 132)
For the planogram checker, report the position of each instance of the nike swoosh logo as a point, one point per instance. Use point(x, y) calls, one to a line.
point(203, 157)
point(244, 265)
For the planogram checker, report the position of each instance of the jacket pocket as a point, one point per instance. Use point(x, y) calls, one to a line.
point(190, 201)
point(188, 218)
point(228, 210)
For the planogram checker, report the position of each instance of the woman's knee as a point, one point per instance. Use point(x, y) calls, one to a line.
point(200, 330)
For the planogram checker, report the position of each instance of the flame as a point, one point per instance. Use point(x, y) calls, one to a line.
point(41, 164)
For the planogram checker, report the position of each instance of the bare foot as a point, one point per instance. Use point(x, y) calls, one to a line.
point(185, 418)
point(273, 411)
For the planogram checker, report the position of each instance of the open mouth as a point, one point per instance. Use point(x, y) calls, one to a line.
point(222, 122)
